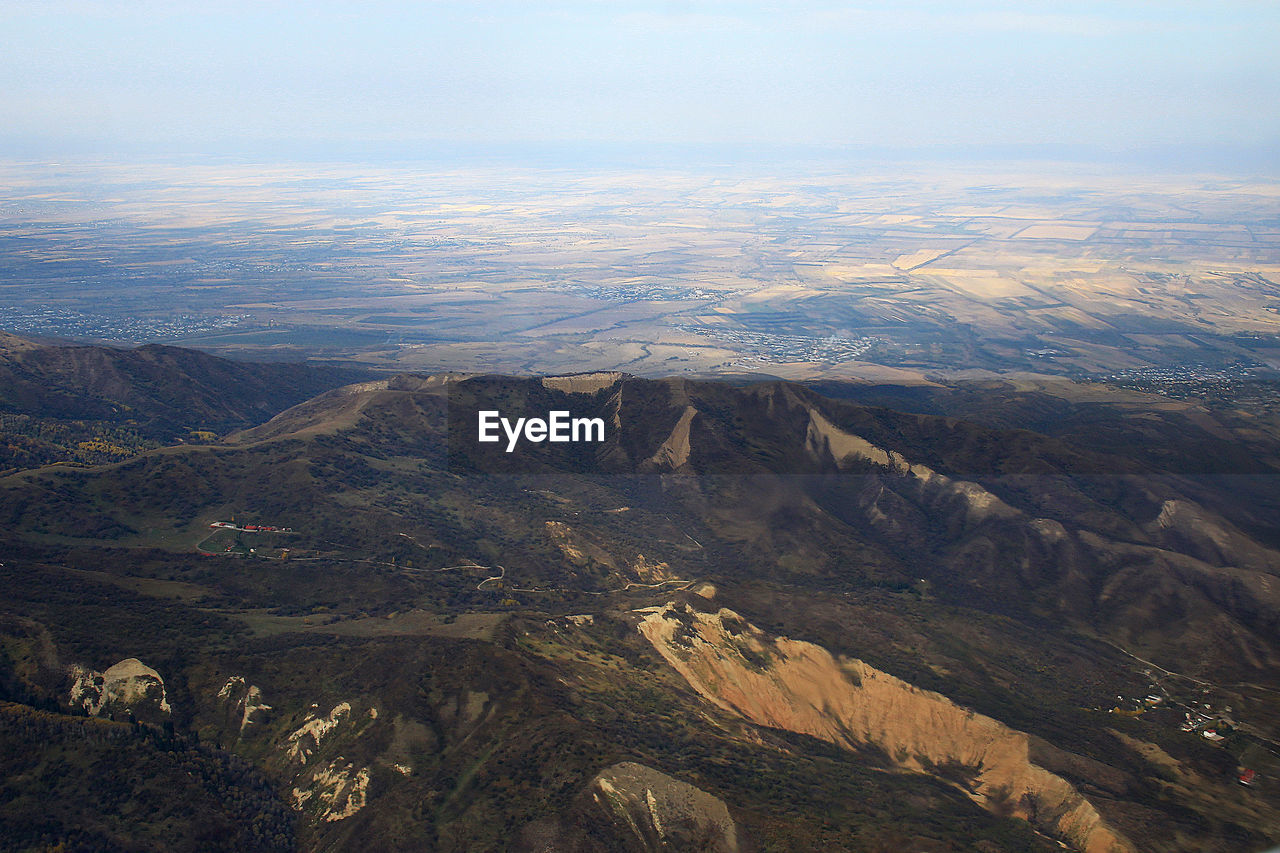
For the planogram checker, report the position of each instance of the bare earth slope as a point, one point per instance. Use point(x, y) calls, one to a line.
point(800, 687)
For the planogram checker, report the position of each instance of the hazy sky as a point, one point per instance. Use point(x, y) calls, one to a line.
point(203, 76)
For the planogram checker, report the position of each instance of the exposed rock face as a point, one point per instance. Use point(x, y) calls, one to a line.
point(824, 435)
point(674, 452)
point(582, 383)
point(1188, 527)
point(801, 687)
point(577, 548)
point(129, 685)
point(662, 813)
point(325, 785)
point(303, 742)
point(651, 571)
point(244, 698)
point(933, 488)
point(335, 791)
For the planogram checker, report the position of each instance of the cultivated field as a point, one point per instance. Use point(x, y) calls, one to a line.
point(827, 273)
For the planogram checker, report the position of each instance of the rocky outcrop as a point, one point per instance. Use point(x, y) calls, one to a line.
point(334, 792)
point(323, 783)
point(244, 699)
point(974, 503)
point(582, 383)
point(651, 571)
point(308, 737)
point(129, 685)
point(801, 687)
point(577, 547)
point(674, 452)
point(659, 812)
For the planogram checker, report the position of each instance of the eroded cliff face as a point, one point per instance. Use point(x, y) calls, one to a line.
point(674, 452)
point(971, 500)
point(657, 812)
point(801, 687)
point(243, 699)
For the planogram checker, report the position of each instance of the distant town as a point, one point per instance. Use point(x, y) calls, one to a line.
point(65, 323)
point(1251, 385)
point(777, 348)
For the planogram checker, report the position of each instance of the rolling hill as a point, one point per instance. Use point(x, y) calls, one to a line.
point(91, 404)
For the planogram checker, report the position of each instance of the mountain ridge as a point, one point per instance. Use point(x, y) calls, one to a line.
point(476, 613)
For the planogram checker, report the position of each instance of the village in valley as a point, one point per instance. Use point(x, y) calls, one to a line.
point(1200, 709)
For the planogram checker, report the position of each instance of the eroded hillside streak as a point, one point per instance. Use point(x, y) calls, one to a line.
point(801, 687)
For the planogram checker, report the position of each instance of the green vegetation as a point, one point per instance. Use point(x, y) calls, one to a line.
point(93, 785)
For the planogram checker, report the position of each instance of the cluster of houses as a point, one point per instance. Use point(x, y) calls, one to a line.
point(1137, 706)
point(1199, 719)
point(251, 528)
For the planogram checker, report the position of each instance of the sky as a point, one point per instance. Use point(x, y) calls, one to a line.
point(221, 76)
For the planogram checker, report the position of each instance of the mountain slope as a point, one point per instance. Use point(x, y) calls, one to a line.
point(96, 404)
point(445, 650)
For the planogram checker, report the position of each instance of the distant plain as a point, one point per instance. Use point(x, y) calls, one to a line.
point(895, 273)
